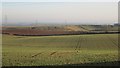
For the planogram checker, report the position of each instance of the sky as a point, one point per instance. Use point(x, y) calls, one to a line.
point(59, 0)
point(60, 12)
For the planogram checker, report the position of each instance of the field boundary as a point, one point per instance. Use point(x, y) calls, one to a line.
point(84, 33)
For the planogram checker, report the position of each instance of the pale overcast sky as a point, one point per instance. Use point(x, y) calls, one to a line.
point(59, 0)
point(59, 12)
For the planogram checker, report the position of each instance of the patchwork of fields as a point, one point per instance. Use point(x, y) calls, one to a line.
point(59, 50)
point(59, 30)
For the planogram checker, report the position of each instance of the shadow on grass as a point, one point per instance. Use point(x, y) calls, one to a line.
point(114, 64)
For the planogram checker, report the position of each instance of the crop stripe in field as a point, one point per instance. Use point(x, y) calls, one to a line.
point(53, 53)
point(84, 42)
point(113, 41)
point(77, 43)
point(80, 43)
point(103, 42)
point(37, 54)
point(106, 39)
point(103, 38)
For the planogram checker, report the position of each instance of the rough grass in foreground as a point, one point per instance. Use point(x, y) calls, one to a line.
point(59, 50)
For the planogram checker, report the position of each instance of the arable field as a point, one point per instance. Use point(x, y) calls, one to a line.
point(58, 30)
point(59, 50)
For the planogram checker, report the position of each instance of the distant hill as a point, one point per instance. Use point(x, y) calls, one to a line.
point(74, 28)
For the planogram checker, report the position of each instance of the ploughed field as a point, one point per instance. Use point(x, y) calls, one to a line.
point(59, 50)
point(59, 30)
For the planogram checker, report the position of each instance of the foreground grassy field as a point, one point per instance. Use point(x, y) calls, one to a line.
point(59, 50)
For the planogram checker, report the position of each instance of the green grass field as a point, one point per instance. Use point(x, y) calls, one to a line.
point(59, 50)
